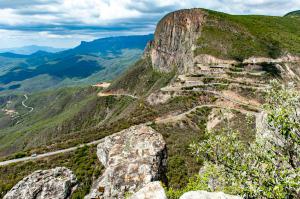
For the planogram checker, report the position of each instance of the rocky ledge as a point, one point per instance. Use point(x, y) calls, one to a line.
point(132, 158)
point(56, 183)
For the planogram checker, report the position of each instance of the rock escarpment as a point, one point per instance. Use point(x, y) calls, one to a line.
point(55, 183)
point(132, 158)
point(175, 39)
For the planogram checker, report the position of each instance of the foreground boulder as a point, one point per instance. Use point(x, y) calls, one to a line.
point(207, 195)
point(150, 191)
point(56, 183)
point(132, 158)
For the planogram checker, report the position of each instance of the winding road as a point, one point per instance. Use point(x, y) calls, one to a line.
point(28, 107)
point(158, 120)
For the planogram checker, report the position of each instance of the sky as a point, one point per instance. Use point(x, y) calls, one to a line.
point(64, 23)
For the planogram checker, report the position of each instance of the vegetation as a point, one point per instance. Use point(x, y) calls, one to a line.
point(51, 110)
point(293, 14)
point(224, 36)
point(141, 79)
point(265, 168)
point(181, 163)
point(83, 162)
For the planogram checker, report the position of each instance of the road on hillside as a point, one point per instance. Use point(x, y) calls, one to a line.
point(4, 163)
point(28, 107)
point(158, 120)
point(116, 94)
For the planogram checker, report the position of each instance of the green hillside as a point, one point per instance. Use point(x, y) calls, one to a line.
point(242, 36)
point(293, 14)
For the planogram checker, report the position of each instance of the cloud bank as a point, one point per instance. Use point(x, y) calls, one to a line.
point(63, 23)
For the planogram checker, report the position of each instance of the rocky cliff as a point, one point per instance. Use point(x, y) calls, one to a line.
point(175, 39)
point(188, 37)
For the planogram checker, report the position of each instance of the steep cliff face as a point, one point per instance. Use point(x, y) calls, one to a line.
point(175, 39)
point(188, 37)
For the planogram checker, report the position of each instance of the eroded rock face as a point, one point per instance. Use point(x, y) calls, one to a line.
point(207, 195)
point(153, 190)
point(133, 158)
point(175, 40)
point(55, 183)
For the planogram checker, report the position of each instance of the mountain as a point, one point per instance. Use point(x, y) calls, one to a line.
point(27, 50)
point(204, 72)
point(293, 14)
point(88, 63)
point(12, 55)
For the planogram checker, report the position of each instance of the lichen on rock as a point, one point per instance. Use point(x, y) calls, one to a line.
point(56, 183)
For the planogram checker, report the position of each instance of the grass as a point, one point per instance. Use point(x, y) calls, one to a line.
point(83, 162)
point(242, 36)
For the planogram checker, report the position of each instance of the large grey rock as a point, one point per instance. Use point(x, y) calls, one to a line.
point(153, 190)
point(207, 195)
point(55, 183)
point(133, 158)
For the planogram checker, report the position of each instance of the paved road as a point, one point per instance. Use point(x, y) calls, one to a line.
point(4, 163)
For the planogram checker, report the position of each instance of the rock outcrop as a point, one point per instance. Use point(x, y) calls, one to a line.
point(132, 158)
point(207, 195)
point(153, 190)
point(56, 183)
point(175, 39)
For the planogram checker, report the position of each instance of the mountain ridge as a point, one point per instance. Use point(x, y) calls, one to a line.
point(293, 14)
point(102, 59)
point(27, 50)
point(184, 36)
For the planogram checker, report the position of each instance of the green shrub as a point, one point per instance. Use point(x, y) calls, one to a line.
point(266, 168)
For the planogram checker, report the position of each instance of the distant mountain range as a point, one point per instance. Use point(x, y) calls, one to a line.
point(90, 62)
point(27, 50)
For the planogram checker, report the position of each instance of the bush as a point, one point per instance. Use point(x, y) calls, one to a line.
point(266, 168)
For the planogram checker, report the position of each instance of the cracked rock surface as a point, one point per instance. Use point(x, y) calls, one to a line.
point(57, 183)
point(132, 158)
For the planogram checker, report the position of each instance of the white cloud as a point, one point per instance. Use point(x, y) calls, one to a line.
point(62, 19)
point(106, 12)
